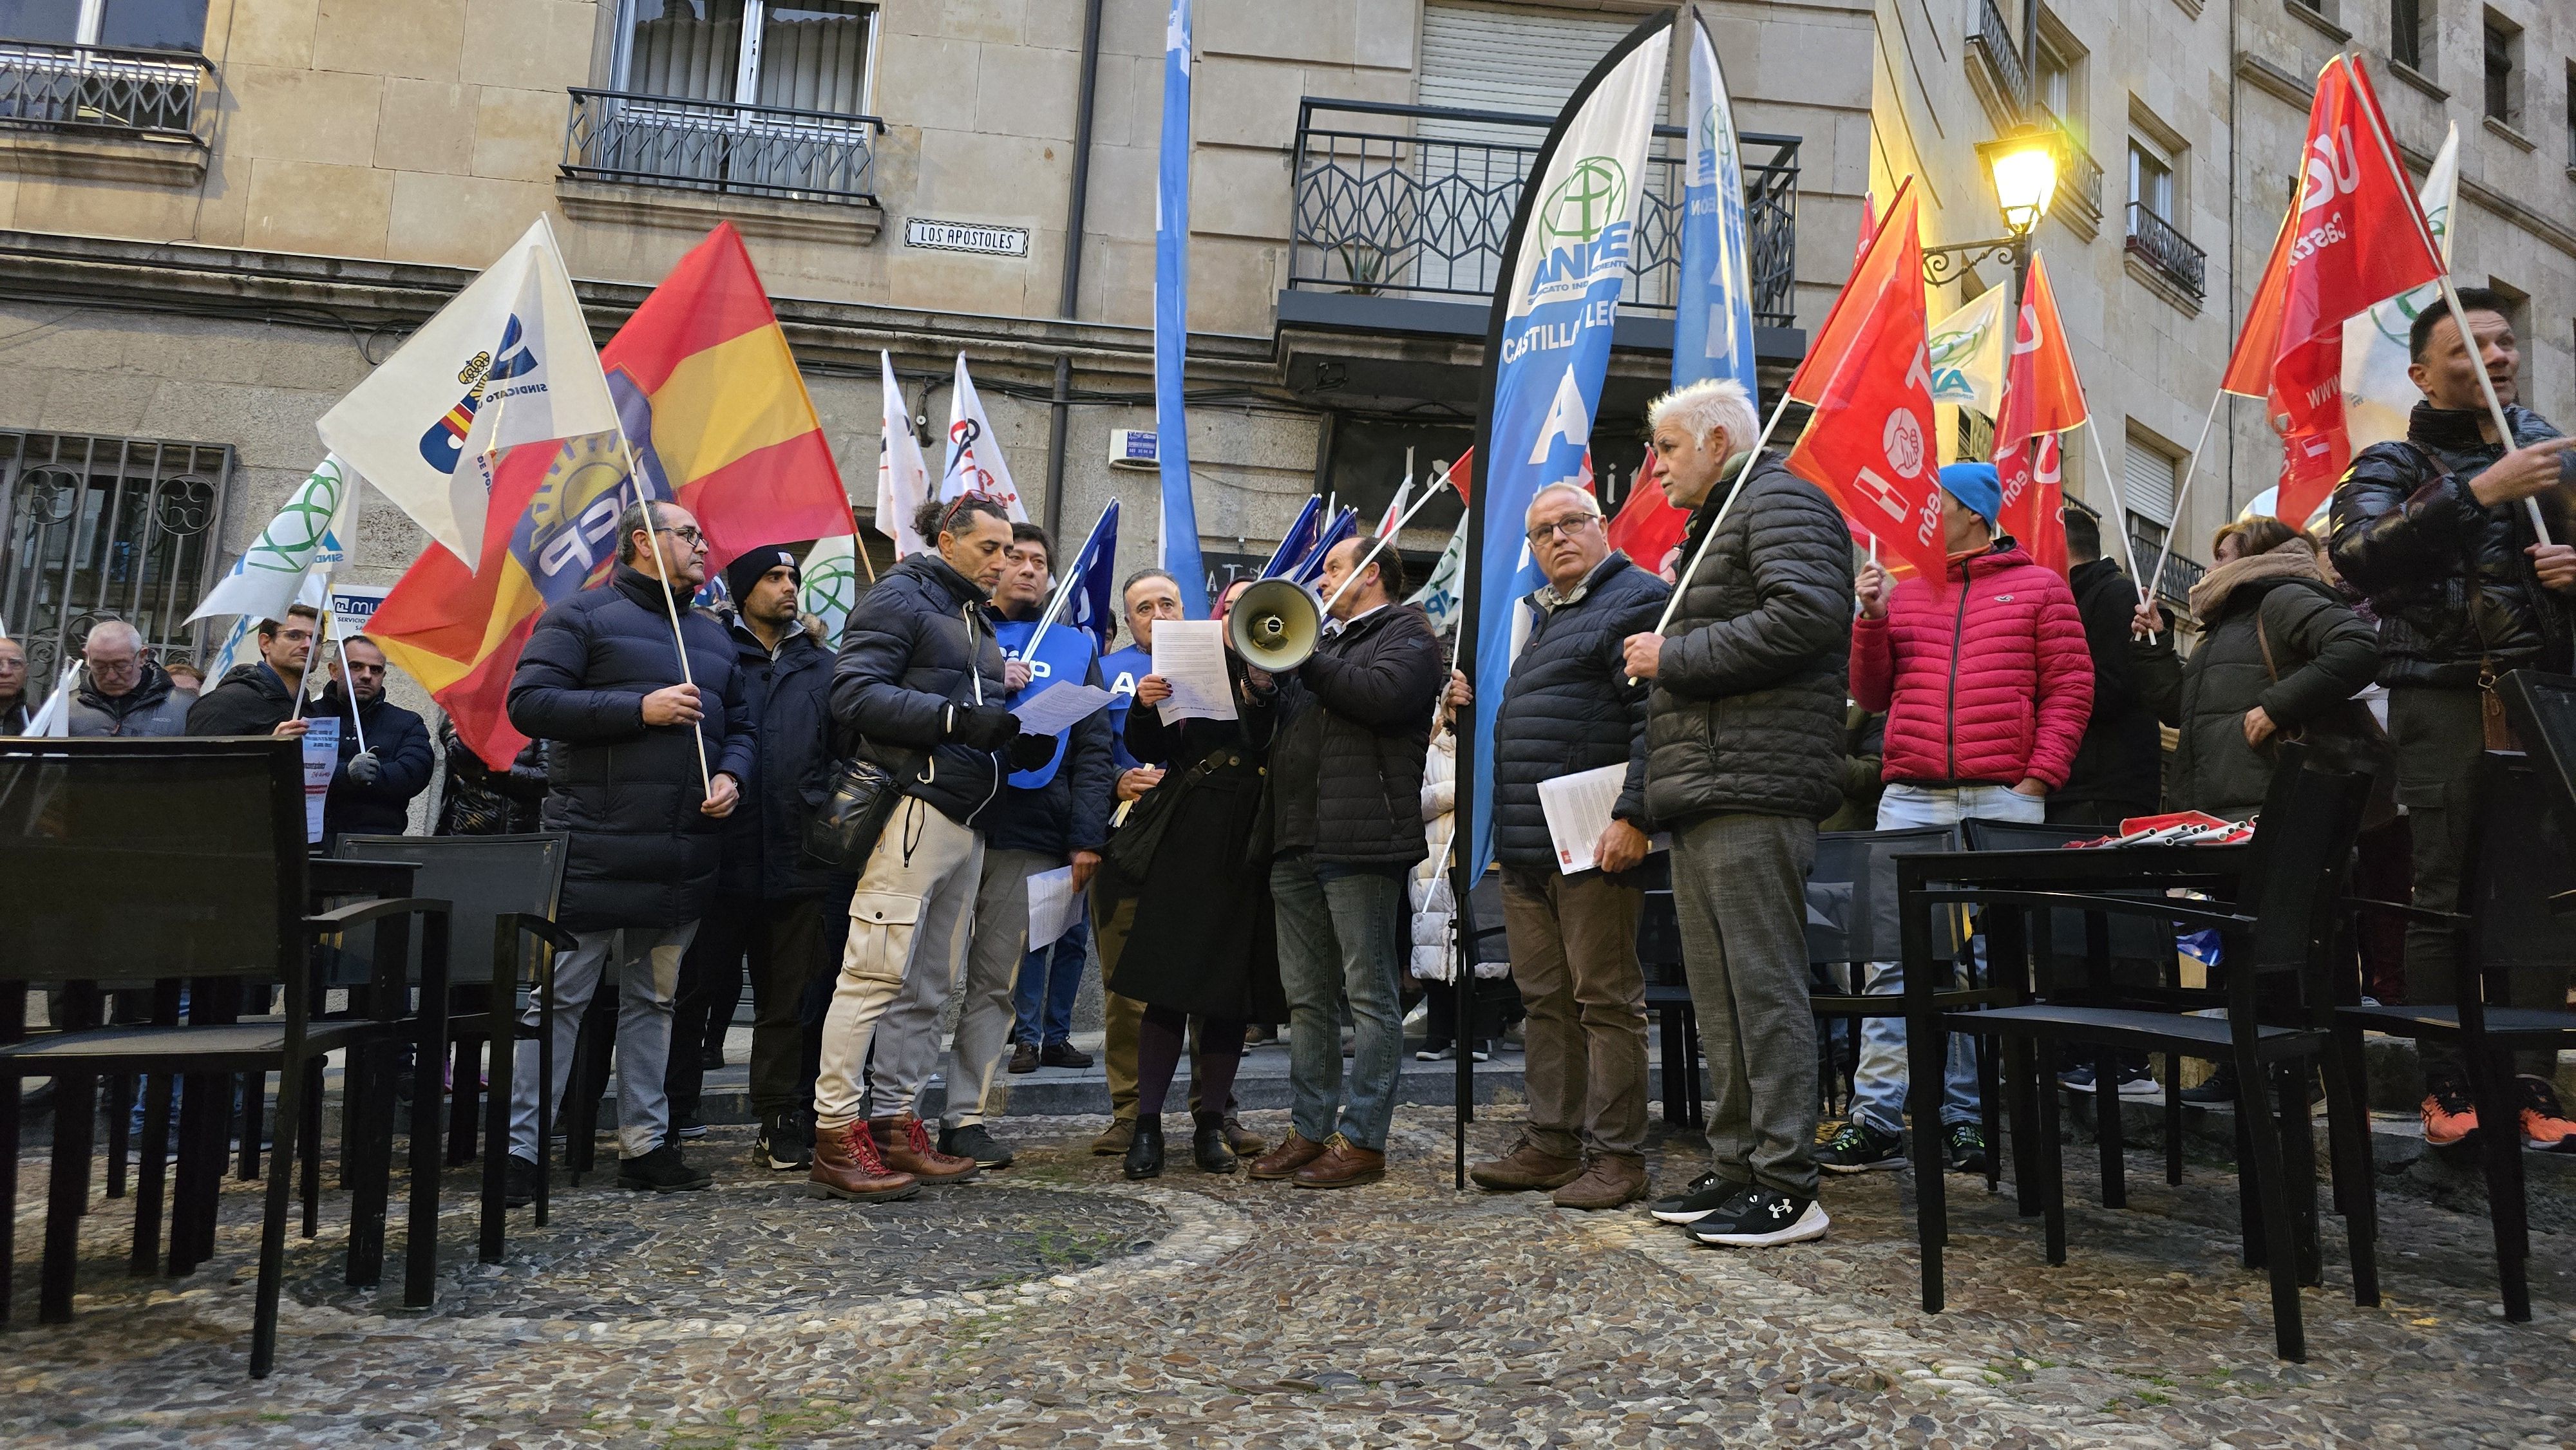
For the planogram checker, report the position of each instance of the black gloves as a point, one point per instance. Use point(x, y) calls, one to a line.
point(1028, 752)
point(981, 727)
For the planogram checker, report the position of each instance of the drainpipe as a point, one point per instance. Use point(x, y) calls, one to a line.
point(1070, 296)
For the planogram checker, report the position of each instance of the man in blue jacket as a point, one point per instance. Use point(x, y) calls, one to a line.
point(770, 895)
point(371, 791)
point(599, 682)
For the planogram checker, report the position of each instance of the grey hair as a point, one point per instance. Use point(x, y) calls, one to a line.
point(133, 635)
point(1591, 505)
point(1707, 406)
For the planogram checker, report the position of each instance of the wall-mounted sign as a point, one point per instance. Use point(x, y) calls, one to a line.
point(1132, 448)
point(966, 237)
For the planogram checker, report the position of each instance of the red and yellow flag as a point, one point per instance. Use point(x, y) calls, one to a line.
point(709, 396)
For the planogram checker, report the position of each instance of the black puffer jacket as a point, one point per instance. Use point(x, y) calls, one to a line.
point(151, 708)
point(477, 800)
point(917, 643)
point(2122, 757)
point(1071, 811)
point(400, 740)
point(642, 853)
point(1354, 724)
point(790, 697)
point(1747, 709)
point(2419, 544)
point(1569, 708)
point(250, 700)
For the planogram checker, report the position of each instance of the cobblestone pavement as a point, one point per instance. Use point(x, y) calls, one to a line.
point(1052, 1304)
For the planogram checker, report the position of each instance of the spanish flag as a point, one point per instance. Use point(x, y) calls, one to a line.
point(710, 399)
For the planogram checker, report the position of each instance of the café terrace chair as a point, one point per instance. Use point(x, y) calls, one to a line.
point(173, 859)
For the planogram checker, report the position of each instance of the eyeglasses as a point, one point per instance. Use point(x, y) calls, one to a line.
point(686, 534)
point(1568, 527)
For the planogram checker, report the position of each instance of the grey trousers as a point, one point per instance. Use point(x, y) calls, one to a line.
point(1740, 890)
point(648, 977)
point(993, 956)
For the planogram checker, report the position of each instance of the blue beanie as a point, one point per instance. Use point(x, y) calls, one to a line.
point(1976, 488)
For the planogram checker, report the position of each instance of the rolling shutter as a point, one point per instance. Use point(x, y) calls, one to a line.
point(2147, 484)
point(1510, 58)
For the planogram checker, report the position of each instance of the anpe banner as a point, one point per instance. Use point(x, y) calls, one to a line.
point(1713, 313)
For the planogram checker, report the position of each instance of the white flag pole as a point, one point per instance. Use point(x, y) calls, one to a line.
point(1682, 580)
point(1381, 542)
point(670, 605)
point(2182, 496)
point(1064, 591)
point(2120, 517)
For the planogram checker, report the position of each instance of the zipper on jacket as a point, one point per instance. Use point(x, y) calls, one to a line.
point(975, 673)
point(1958, 637)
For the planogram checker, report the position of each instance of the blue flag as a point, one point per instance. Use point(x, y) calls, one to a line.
point(1344, 525)
point(1092, 607)
point(1546, 351)
point(1713, 315)
point(1300, 541)
point(1180, 524)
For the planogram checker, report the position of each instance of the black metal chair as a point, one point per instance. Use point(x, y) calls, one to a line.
point(2280, 1012)
point(181, 859)
point(1668, 999)
point(1852, 922)
point(500, 889)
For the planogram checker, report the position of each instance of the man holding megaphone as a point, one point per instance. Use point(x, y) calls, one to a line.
point(1354, 722)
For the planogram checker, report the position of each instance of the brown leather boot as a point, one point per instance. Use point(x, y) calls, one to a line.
point(846, 1165)
point(1343, 1164)
point(1284, 1160)
point(907, 1148)
point(1526, 1166)
point(1607, 1182)
point(1245, 1142)
point(1114, 1139)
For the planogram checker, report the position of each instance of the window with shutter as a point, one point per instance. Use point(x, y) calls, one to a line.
point(1510, 58)
point(2147, 484)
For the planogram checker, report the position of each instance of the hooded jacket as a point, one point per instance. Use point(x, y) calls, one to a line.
point(151, 708)
point(2447, 575)
point(2122, 757)
point(789, 690)
point(1985, 679)
point(918, 643)
point(404, 765)
point(642, 854)
point(1568, 706)
point(1747, 709)
point(251, 699)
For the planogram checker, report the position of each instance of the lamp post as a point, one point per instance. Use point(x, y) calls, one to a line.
point(2024, 163)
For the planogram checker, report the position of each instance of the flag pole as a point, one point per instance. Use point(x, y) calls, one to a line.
point(2156, 580)
point(1063, 592)
point(1383, 540)
point(2120, 517)
point(349, 683)
point(670, 606)
point(321, 626)
point(1682, 580)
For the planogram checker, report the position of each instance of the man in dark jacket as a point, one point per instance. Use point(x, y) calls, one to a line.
point(2119, 767)
point(917, 690)
point(259, 698)
point(1054, 815)
point(371, 790)
point(2437, 531)
point(1568, 709)
point(770, 895)
point(1346, 787)
point(121, 692)
point(1745, 748)
point(623, 751)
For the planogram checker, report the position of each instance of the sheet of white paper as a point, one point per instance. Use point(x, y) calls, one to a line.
point(1053, 908)
point(321, 758)
point(1059, 707)
point(1578, 809)
point(1190, 655)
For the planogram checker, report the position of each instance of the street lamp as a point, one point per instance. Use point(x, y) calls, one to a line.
point(2023, 163)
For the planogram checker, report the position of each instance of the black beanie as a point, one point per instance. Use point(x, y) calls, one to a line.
point(746, 570)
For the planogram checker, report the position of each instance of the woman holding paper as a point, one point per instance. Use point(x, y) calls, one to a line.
point(1193, 938)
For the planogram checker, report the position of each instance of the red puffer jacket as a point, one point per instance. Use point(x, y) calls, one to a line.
point(1985, 680)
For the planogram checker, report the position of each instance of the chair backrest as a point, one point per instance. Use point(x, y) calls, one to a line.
point(2298, 861)
point(151, 858)
point(1851, 893)
point(2133, 938)
point(2521, 860)
point(481, 877)
point(2543, 710)
point(1659, 940)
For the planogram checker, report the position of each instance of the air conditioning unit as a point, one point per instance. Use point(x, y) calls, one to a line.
point(1133, 448)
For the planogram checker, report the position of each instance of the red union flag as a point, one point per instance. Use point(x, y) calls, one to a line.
point(1873, 272)
point(2357, 236)
point(1870, 442)
point(2042, 398)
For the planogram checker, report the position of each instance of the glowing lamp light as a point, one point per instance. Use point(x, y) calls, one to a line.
point(2024, 165)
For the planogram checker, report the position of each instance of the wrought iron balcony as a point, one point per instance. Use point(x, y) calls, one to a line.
point(2180, 573)
point(1992, 39)
point(102, 89)
point(1417, 201)
point(721, 146)
point(2166, 251)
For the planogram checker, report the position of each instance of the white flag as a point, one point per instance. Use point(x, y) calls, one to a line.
point(317, 528)
point(1394, 509)
point(508, 361)
point(241, 647)
point(832, 583)
point(903, 480)
point(974, 455)
point(55, 719)
point(2377, 395)
point(1966, 350)
point(1439, 595)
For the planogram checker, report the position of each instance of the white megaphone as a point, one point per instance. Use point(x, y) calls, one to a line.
point(1275, 624)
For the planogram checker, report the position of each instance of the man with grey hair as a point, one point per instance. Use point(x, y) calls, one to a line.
point(122, 692)
point(1745, 750)
point(1570, 707)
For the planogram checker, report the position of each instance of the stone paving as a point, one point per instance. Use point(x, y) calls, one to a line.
point(1052, 1304)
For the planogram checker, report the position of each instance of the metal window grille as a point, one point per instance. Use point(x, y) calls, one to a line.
point(106, 528)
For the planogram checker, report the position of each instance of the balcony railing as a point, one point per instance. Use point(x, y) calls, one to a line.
point(2165, 251)
point(1993, 39)
point(2180, 573)
point(720, 146)
point(1380, 207)
point(98, 88)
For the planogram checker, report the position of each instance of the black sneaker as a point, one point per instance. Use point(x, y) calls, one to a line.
point(785, 1144)
point(972, 1141)
point(2216, 1090)
point(2077, 1079)
point(1706, 1195)
point(1764, 1216)
point(1859, 1148)
point(660, 1171)
point(1967, 1147)
point(519, 1183)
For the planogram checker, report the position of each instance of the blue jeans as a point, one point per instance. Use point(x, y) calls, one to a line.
point(1338, 940)
point(1878, 1083)
point(1050, 978)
